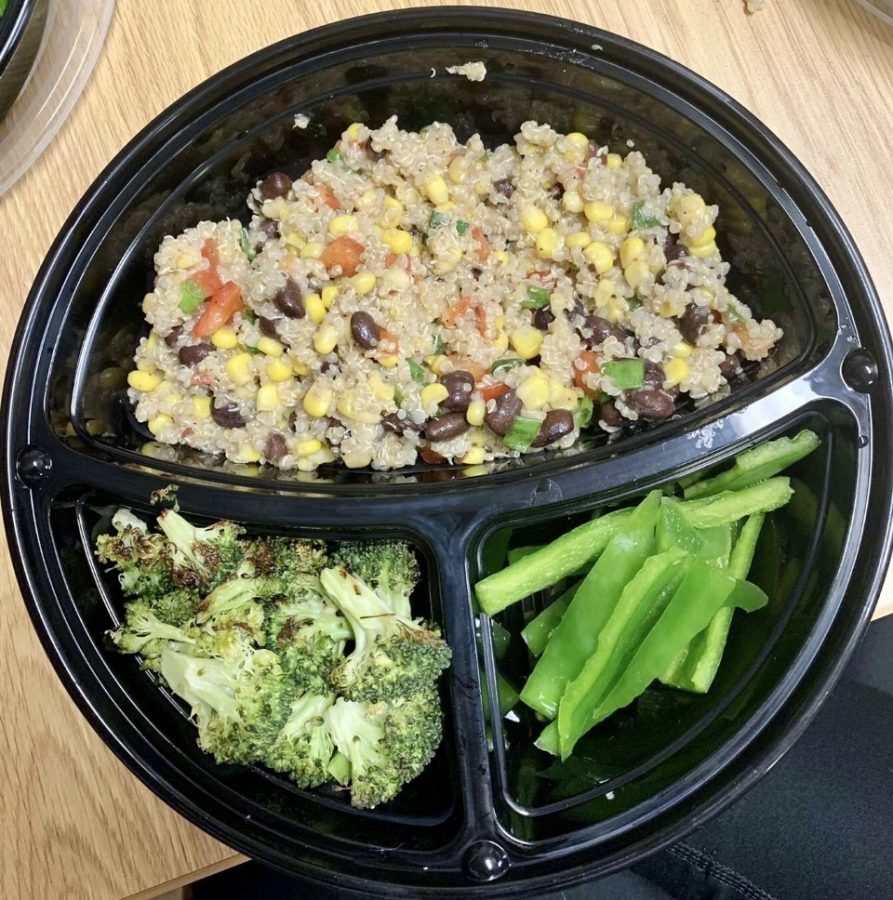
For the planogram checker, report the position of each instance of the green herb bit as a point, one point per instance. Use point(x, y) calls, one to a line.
point(522, 433)
point(252, 350)
point(416, 372)
point(334, 155)
point(462, 227)
point(633, 303)
point(640, 219)
point(437, 219)
point(439, 344)
point(537, 298)
point(503, 365)
point(245, 244)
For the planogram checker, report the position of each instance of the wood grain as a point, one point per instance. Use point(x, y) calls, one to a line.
point(820, 74)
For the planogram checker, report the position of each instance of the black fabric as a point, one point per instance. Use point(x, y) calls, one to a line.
point(819, 826)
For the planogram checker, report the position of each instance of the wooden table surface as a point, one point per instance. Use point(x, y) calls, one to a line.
point(818, 72)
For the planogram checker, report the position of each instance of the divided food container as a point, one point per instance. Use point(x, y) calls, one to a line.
point(491, 816)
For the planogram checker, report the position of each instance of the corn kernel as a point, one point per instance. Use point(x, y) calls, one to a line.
point(604, 291)
point(398, 240)
point(526, 341)
point(533, 219)
point(313, 250)
point(432, 394)
point(145, 365)
point(636, 272)
point(380, 389)
point(366, 200)
point(247, 454)
point(224, 338)
point(269, 346)
point(238, 368)
point(548, 243)
point(578, 140)
point(600, 255)
point(308, 447)
point(474, 457)
point(278, 371)
point(144, 381)
point(682, 350)
point(476, 412)
point(618, 224)
point(363, 283)
point(534, 391)
point(613, 161)
point(151, 341)
point(294, 240)
point(436, 363)
point(596, 211)
point(299, 368)
point(456, 169)
point(267, 398)
point(149, 302)
point(445, 207)
point(498, 321)
point(447, 261)
point(705, 237)
point(501, 256)
point(686, 209)
point(341, 225)
point(705, 251)
point(316, 309)
point(329, 293)
point(572, 201)
point(201, 407)
point(436, 190)
point(612, 310)
point(354, 132)
point(632, 248)
point(482, 188)
point(397, 280)
point(159, 423)
point(347, 407)
point(392, 212)
point(317, 399)
point(578, 239)
point(325, 340)
point(389, 361)
point(674, 371)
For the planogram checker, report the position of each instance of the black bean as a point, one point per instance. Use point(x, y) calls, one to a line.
point(289, 301)
point(446, 427)
point(610, 415)
point(601, 330)
point(276, 184)
point(227, 415)
point(460, 384)
point(373, 154)
point(505, 186)
point(507, 409)
point(270, 227)
point(275, 447)
point(652, 404)
point(693, 322)
point(672, 248)
point(543, 318)
point(173, 336)
point(397, 424)
point(268, 326)
point(557, 424)
point(730, 367)
point(364, 330)
point(193, 354)
point(654, 374)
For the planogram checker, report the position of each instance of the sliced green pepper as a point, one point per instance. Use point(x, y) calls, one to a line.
point(191, 297)
point(462, 227)
point(506, 692)
point(437, 219)
point(758, 464)
point(627, 374)
point(583, 412)
point(506, 363)
point(416, 372)
point(549, 564)
point(674, 530)
point(245, 244)
point(537, 298)
point(720, 509)
point(574, 640)
point(501, 638)
point(517, 553)
point(522, 433)
point(536, 632)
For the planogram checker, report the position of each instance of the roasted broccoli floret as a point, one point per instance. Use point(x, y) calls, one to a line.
point(389, 567)
point(387, 744)
point(142, 631)
point(140, 556)
point(239, 708)
point(238, 603)
point(304, 746)
point(201, 557)
point(289, 560)
point(392, 656)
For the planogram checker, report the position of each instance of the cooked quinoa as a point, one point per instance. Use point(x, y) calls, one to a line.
point(412, 297)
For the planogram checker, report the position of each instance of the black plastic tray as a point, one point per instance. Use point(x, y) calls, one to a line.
point(477, 822)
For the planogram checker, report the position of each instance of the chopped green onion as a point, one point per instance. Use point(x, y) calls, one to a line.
point(537, 298)
point(522, 433)
point(461, 227)
point(439, 344)
point(245, 244)
point(191, 297)
point(641, 219)
point(252, 350)
point(437, 219)
point(633, 303)
point(416, 371)
point(503, 365)
point(399, 396)
point(625, 373)
point(334, 155)
point(583, 413)
point(250, 315)
point(604, 398)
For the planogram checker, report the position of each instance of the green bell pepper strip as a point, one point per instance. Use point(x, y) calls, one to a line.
point(721, 509)
point(756, 465)
point(506, 693)
point(574, 640)
point(522, 433)
point(674, 530)
point(191, 297)
point(625, 373)
point(704, 590)
point(501, 638)
point(537, 631)
point(517, 553)
point(549, 564)
point(704, 654)
point(640, 605)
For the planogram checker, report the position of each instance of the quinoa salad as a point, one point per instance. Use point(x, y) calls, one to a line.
point(411, 298)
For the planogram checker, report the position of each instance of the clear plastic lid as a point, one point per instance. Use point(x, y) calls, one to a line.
point(72, 40)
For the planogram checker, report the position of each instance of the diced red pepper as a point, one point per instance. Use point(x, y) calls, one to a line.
point(327, 195)
point(207, 281)
point(585, 364)
point(492, 391)
point(483, 245)
point(222, 306)
point(344, 252)
point(467, 364)
point(430, 456)
point(211, 252)
point(456, 311)
point(480, 317)
point(398, 261)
